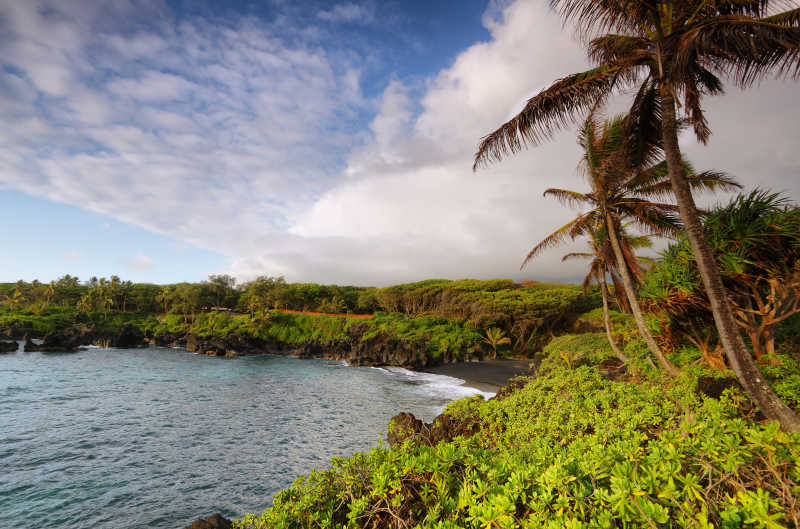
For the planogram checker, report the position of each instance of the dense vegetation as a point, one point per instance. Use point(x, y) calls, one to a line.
point(572, 448)
point(446, 317)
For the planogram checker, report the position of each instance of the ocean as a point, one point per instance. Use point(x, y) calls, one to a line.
point(156, 438)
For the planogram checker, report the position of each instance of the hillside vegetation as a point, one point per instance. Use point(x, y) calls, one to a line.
point(446, 318)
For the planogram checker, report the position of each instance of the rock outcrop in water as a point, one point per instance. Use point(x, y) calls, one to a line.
point(215, 521)
point(444, 427)
point(8, 347)
point(379, 350)
point(77, 336)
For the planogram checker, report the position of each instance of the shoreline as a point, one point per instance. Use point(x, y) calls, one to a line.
point(486, 375)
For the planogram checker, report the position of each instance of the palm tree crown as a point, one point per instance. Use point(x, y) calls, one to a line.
point(683, 46)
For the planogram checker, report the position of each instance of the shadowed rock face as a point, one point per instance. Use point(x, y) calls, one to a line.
point(379, 350)
point(215, 521)
point(70, 339)
point(127, 337)
point(444, 427)
point(8, 347)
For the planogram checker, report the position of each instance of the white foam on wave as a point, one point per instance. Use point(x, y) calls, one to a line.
point(438, 386)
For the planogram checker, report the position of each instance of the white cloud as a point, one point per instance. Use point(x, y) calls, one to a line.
point(348, 12)
point(139, 262)
point(72, 254)
point(235, 137)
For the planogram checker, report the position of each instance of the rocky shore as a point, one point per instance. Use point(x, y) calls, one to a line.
point(380, 350)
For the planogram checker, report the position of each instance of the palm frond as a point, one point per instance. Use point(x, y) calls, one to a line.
point(743, 47)
point(640, 241)
point(612, 47)
point(577, 255)
point(643, 125)
point(604, 16)
point(567, 197)
point(557, 237)
point(787, 18)
point(712, 181)
point(547, 112)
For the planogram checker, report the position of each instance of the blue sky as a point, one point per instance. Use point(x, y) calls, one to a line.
point(324, 141)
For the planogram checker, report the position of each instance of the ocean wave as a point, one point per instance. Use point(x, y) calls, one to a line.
point(439, 386)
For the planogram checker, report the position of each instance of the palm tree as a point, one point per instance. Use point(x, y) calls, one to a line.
point(621, 182)
point(49, 294)
point(601, 265)
point(496, 337)
point(15, 300)
point(666, 50)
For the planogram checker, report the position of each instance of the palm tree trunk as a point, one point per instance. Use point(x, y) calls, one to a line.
point(607, 320)
point(627, 282)
point(739, 358)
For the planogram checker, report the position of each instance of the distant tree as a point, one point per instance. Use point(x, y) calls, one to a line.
point(223, 289)
point(16, 299)
point(495, 338)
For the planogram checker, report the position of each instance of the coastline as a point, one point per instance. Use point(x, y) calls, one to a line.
point(486, 375)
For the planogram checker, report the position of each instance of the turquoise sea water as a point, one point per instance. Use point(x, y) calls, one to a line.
point(156, 438)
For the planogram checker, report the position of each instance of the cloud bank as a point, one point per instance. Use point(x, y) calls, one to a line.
point(234, 137)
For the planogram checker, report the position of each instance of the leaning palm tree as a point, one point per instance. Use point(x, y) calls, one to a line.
point(669, 50)
point(602, 265)
point(621, 182)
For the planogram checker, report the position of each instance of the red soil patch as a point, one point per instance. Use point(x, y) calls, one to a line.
point(356, 316)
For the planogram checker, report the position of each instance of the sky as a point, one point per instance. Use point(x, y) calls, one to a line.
point(331, 142)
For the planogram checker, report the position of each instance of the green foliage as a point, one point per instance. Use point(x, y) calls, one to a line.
point(576, 349)
point(446, 317)
point(441, 336)
point(570, 449)
point(756, 242)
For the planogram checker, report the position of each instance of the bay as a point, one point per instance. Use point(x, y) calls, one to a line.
point(156, 438)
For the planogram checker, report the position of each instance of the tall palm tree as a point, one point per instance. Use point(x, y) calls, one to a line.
point(669, 50)
point(602, 265)
point(598, 269)
point(621, 183)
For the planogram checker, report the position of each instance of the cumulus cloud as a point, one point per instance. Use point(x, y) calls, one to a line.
point(139, 262)
point(238, 138)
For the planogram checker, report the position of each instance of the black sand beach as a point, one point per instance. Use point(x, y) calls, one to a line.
point(488, 375)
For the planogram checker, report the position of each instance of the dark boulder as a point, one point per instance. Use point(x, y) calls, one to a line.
point(69, 339)
point(192, 343)
point(404, 426)
point(8, 347)
point(215, 521)
point(127, 337)
point(18, 330)
point(445, 427)
point(169, 339)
